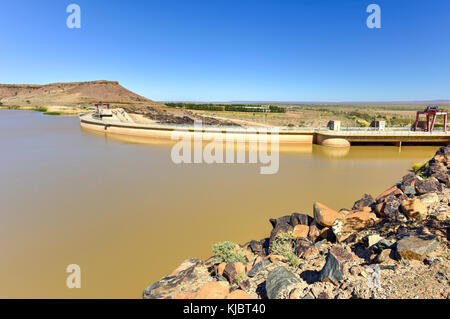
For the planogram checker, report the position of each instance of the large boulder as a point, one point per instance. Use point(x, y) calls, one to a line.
point(239, 294)
point(278, 282)
point(429, 200)
point(352, 222)
point(415, 248)
point(188, 263)
point(439, 171)
point(187, 279)
point(393, 191)
point(333, 270)
point(389, 208)
point(214, 290)
point(324, 215)
point(429, 185)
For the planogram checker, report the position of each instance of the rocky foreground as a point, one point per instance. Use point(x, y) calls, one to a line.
point(391, 246)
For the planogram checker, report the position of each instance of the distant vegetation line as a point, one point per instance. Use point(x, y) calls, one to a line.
point(230, 107)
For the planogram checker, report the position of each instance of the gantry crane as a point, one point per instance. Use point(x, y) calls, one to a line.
point(431, 112)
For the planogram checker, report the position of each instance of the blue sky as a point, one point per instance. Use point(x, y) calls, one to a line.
point(226, 50)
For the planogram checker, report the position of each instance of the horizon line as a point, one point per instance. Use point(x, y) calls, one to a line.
point(442, 101)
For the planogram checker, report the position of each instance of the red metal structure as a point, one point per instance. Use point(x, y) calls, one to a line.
point(430, 112)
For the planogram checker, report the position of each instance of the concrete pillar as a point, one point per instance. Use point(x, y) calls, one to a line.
point(334, 125)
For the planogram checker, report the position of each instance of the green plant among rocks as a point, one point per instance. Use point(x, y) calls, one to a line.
point(226, 252)
point(283, 245)
point(240, 277)
point(293, 260)
point(420, 168)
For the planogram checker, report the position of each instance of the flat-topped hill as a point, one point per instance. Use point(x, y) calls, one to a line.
point(70, 94)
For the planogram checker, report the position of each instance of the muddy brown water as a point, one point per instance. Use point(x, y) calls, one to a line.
point(127, 215)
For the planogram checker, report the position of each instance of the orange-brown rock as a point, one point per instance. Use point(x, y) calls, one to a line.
point(415, 248)
point(366, 209)
point(310, 253)
point(301, 231)
point(351, 223)
point(414, 209)
point(249, 254)
point(379, 208)
point(214, 290)
point(275, 258)
point(324, 215)
point(393, 191)
point(314, 231)
point(354, 270)
point(221, 268)
point(383, 256)
point(185, 295)
point(239, 294)
point(295, 294)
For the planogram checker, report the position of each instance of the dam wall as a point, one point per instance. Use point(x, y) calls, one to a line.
point(155, 130)
point(325, 137)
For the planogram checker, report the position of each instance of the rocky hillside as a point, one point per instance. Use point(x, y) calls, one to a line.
point(70, 94)
point(392, 246)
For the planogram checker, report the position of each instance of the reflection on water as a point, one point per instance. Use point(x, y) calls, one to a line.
point(120, 208)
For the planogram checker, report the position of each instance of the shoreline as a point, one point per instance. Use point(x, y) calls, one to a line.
point(48, 110)
point(392, 246)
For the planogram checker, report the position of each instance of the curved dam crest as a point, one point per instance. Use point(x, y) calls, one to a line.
point(321, 136)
